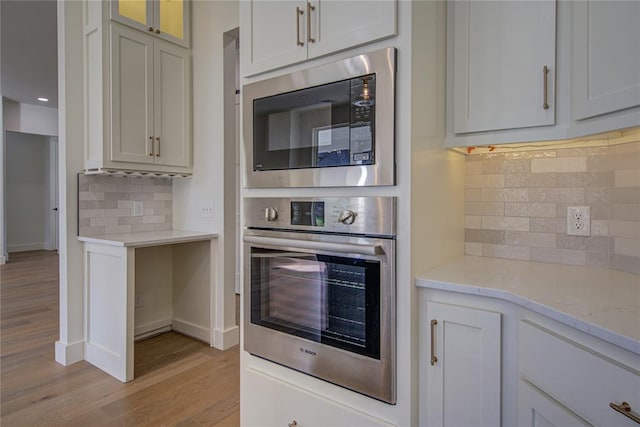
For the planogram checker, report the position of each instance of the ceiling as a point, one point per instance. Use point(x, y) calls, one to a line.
point(29, 51)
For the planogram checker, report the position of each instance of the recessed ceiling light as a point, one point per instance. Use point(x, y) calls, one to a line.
point(43, 99)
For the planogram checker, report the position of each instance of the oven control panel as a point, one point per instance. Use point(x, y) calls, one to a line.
point(353, 215)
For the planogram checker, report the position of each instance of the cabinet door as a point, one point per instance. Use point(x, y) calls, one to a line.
point(167, 19)
point(272, 34)
point(172, 105)
point(605, 57)
point(131, 96)
point(338, 25)
point(536, 409)
point(134, 13)
point(171, 21)
point(500, 49)
point(464, 384)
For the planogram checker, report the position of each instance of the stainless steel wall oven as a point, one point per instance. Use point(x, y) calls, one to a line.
point(320, 288)
point(327, 126)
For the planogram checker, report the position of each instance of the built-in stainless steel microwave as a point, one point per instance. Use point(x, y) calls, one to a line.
point(328, 126)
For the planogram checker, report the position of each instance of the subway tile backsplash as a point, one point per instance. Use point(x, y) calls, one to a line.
point(105, 204)
point(516, 205)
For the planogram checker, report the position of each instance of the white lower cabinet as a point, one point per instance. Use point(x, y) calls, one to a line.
point(536, 409)
point(283, 404)
point(490, 362)
point(462, 364)
point(582, 380)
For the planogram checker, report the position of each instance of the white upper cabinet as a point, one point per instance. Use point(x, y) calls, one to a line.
point(167, 19)
point(526, 71)
point(172, 105)
point(336, 25)
point(274, 32)
point(503, 64)
point(605, 47)
point(150, 100)
point(137, 98)
point(131, 96)
point(280, 33)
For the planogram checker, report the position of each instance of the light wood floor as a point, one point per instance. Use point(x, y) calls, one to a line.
point(178, 381)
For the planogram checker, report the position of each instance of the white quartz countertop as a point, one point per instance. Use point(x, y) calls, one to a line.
point(601, 302)
point(149, 238)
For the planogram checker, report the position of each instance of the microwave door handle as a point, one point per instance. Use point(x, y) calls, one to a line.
point(347, 248)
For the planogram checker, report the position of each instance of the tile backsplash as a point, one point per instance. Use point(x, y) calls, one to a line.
point(105, 204)
point(516, 205)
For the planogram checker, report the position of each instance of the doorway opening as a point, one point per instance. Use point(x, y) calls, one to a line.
point(31, 185)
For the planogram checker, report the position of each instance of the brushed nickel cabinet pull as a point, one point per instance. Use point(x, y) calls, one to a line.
point(158, 153)
point(545, 76)
point(310, 8)
point(298, 13)
point(151, 139)
point(625, 409)
point(434, 359)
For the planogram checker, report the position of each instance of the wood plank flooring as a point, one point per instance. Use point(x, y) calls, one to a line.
point(178, 381)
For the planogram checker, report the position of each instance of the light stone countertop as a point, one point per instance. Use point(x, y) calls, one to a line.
point(149, 238)
point(598, 301)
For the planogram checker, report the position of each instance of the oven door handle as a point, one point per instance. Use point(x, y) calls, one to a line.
point(348, 248)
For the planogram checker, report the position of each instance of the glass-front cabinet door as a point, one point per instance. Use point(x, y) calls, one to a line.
point(167, 19)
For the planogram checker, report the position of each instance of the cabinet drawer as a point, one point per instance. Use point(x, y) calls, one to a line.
point(536, 409)
point(274, 402)
point(580, 379)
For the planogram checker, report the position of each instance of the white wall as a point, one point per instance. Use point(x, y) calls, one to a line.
point(27, 181)
point(210, 20)
point(29, 118)
point(70, 346)
point(3, 204)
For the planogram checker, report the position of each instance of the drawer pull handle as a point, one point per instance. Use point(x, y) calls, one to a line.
point(299, 12)
point(625, 409)
point(545, 76)
point(434, 359)
point(310, 8)
point(293, 423)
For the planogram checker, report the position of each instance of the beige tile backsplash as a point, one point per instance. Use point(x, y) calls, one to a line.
point(516, 205)
point(105, 204)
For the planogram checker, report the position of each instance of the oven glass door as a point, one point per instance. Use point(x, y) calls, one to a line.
point(333, 300)
point(322, 126)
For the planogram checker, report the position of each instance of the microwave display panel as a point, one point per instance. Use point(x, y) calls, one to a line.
point(307, 213)
point(321, 126)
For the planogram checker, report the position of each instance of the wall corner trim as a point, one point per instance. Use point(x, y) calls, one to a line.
point(68, 354)
point(227, 338)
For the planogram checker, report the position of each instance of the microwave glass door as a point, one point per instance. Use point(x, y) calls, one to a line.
point(327, 299)
point(322, 126)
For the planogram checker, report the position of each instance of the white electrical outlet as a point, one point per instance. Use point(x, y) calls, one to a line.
point(579, 220)
point(137, 209)
point(206, 211)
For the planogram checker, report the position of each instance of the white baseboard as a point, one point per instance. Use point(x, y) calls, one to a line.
point(227, 338)
point(152, 328)
point(24, 247)
point(3, 260)
point(191, 329)
point(68, 354)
